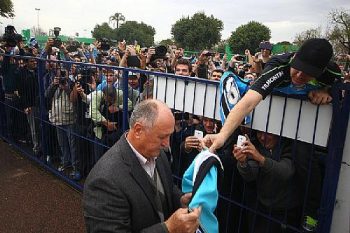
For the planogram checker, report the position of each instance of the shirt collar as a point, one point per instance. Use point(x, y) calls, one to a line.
point(139, 156)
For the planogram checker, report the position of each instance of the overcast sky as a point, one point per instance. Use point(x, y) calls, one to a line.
point(285, 18)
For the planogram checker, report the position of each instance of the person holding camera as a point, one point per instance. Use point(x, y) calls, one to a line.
point(204, 64)
point(62, 115)
point(106, 109)
point(84, 85)
point(175, 54)
point(192, 146)
point(9, 71)
point(269, 162)
point(259, 60)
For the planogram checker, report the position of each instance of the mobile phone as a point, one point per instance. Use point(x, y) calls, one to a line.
point(198, 134)
point(240, 140)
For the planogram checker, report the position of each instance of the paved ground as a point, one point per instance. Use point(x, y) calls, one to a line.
point(33, 200)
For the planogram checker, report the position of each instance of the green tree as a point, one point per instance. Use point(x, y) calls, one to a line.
point(339, 33)
point(167, 42)
point(116, 18)
point(308, 34)
point(6, 9)
point(198, 32)
point(103, 31)
point(132, 30)
point(249, 36)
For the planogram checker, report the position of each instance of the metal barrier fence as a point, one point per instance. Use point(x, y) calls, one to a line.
point(56, 114)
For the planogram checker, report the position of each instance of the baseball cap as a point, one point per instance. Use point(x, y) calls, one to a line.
point(313, 56)
point(33, 42)
point(265, 45)
point(132, 74)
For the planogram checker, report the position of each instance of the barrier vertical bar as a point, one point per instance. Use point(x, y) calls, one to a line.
point(125, 99)
point(43, 110)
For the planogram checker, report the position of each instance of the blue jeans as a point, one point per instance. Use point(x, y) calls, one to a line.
point(67, 143)
point(34, 124)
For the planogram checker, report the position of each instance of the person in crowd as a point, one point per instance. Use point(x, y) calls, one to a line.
point(183, 123)
point(134, 88)
point(83, 86)
point(147, 89)
point(9, 72)
point(183, 67)
point(28, 90)
point(62, 115)
point(111, 78)
point(204, 64)
point(106, 112)
point(130, 188)
point(259, 60)
point(270, 163)
point(176, 54)
point(191, 146)
point(292, 70)
point(216, 74)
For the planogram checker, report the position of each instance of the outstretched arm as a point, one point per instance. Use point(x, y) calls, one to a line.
point(249, 101)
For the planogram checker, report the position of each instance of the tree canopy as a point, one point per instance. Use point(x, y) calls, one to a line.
point(308, 34)
point(6, 9)
point(103, 31)
point(116, 18)
point(198, 32)
point(130, 31)
point(339, 34)
point(249, 36)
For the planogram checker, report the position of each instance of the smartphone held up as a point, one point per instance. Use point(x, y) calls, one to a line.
point(240, 140)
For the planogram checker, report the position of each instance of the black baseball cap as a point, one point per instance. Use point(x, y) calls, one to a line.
point(313, 56)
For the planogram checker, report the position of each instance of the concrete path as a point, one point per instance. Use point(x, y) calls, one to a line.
point(33, 200)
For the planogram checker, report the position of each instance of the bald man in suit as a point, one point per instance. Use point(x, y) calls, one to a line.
point(130, 189)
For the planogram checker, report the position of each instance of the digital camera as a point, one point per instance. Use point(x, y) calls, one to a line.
point(11, 37)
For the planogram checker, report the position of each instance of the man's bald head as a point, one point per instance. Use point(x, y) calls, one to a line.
point(148, 112)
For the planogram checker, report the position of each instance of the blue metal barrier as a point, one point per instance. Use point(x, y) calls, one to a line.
point(238, 210)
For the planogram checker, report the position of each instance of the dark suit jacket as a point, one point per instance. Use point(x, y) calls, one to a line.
point(119, 197)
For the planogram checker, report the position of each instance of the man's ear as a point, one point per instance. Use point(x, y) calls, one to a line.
point(138, 129)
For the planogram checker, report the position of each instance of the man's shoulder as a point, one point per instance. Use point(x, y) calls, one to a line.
point(110, 164)
point(279, 60)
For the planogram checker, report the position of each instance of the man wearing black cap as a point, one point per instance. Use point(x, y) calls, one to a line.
point(289, 72)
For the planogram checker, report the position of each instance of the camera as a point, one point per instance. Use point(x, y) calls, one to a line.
point(85, 76)
point(104, 44)
point(239, 58)
point(62, 79)
point(209, 54)
point(11, 37)
point(57, 41)
point(73, 46)
point(133, 61)
point(144, 50)
point(160, 52)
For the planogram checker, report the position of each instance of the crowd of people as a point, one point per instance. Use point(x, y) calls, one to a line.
point(72, 108)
